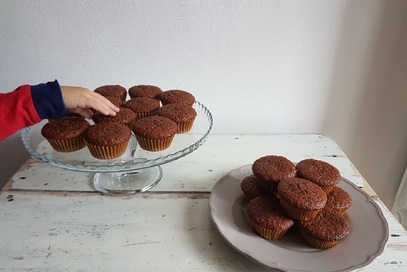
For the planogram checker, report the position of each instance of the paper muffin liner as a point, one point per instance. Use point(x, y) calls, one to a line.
point(327, 189)
point(140, 115)
point(107, 152)
point(268, 234)
point(168, 102)
point(297, 213)
point(68, 145)
point(342, 212)
point(249, 196)
point(154, 144)
point(183, 127)
point(317, 243)
point(269, 186)
point(247, 199)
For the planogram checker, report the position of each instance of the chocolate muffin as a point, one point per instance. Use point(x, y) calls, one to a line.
point(118, 102)
point(325, 230)
point(176, 97)
point(69, 115)
point(124, 116)
point(183, 115)
point(107, 140)
point(154, 133)
point(271, 169)
point(142, 106)
point(144, 91)
point(251, 189)
point(112, 90)
point(267, 218)
point(65, 134)
point(301, 199)
point(339, 200)
point(321, 173)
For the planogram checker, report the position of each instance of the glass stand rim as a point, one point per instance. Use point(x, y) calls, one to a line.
point(134, 159)
point(110, 173)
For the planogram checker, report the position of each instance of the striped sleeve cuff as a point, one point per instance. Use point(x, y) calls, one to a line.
point(47, 99)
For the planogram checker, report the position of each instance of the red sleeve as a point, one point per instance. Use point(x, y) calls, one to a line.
point(17, 111)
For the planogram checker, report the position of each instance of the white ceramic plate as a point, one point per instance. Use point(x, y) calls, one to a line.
point(366, 241)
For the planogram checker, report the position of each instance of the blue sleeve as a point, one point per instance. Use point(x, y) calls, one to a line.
point(47, 99)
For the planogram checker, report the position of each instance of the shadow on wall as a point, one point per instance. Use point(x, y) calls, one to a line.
point(375, 76)
point(12, 155)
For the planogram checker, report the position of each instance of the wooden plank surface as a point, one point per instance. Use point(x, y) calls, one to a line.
point(150, 232)
point(54, 220)
point(220, 154)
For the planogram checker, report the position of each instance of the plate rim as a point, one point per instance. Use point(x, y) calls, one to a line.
point(367, 198)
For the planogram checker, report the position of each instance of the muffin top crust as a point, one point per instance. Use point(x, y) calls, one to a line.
point(319, 172)
point(328, 225)
point(144, 91)
point(176, 97)
point(64, 128)
point(250, 188)
point(142, 104)
point(273, 168)
point(338, 199)
point(302, 193)
point(177, 112)
point(107, 134)
point(112, 90)
point(154, 127)
point(124, 116)
point(266, 212)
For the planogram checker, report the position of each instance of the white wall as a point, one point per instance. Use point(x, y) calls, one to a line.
point(333, 67)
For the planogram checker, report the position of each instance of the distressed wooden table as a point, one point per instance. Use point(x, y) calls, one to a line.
point(54, 220)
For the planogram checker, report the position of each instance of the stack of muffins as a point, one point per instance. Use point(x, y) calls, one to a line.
point(153, 115)
point(281, 194)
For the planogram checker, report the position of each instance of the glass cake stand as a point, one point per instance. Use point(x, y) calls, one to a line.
point(136, 171)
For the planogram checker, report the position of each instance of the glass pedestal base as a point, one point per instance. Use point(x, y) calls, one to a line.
point(129, 183)
point(136, 171)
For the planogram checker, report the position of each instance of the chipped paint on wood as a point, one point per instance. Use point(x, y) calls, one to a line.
point(220, 154)
point(54, 220)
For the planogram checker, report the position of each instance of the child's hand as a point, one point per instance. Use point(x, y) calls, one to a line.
point(81, 100)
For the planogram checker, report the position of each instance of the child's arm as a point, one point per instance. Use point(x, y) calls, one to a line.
point(28, 105)
point(16, 111)
point(81, 100)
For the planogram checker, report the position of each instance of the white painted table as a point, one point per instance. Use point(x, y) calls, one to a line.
point(54, 220)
